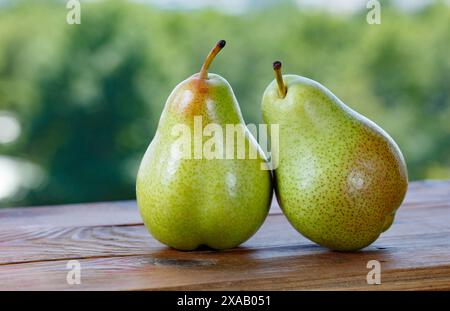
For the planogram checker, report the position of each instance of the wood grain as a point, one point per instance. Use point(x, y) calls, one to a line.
point(116, 252)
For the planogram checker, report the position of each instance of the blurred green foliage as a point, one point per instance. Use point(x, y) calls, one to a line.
point(89, 96)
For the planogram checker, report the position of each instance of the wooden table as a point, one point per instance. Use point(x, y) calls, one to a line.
point(115, 252)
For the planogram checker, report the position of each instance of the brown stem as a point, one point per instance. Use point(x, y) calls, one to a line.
point(278, 76)
point(215, 50)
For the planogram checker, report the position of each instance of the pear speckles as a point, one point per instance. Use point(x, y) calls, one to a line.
point(340, 177)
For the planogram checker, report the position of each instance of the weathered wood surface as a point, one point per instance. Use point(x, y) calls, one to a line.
point(116, 252)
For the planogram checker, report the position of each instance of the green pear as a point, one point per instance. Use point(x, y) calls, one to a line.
point(195, 190)
point(339, 178)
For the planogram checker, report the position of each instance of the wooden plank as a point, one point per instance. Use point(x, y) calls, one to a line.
point(298, 266)
point(116, 252)
point(428, 191)
point(26, 244)
point(93, 214)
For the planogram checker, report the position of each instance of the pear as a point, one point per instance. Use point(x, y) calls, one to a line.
point(338, 177)
point(195, 190)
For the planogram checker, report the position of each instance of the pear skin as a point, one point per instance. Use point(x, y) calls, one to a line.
point(187, 202)
point(339, 177)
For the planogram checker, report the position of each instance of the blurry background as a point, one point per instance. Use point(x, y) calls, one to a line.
point(79, 104)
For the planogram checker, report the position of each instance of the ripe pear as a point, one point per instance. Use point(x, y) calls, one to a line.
point(188, 199)
point(339, 177)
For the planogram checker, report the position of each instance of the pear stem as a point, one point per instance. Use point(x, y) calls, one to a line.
point(212, 54)
point(282, 89)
